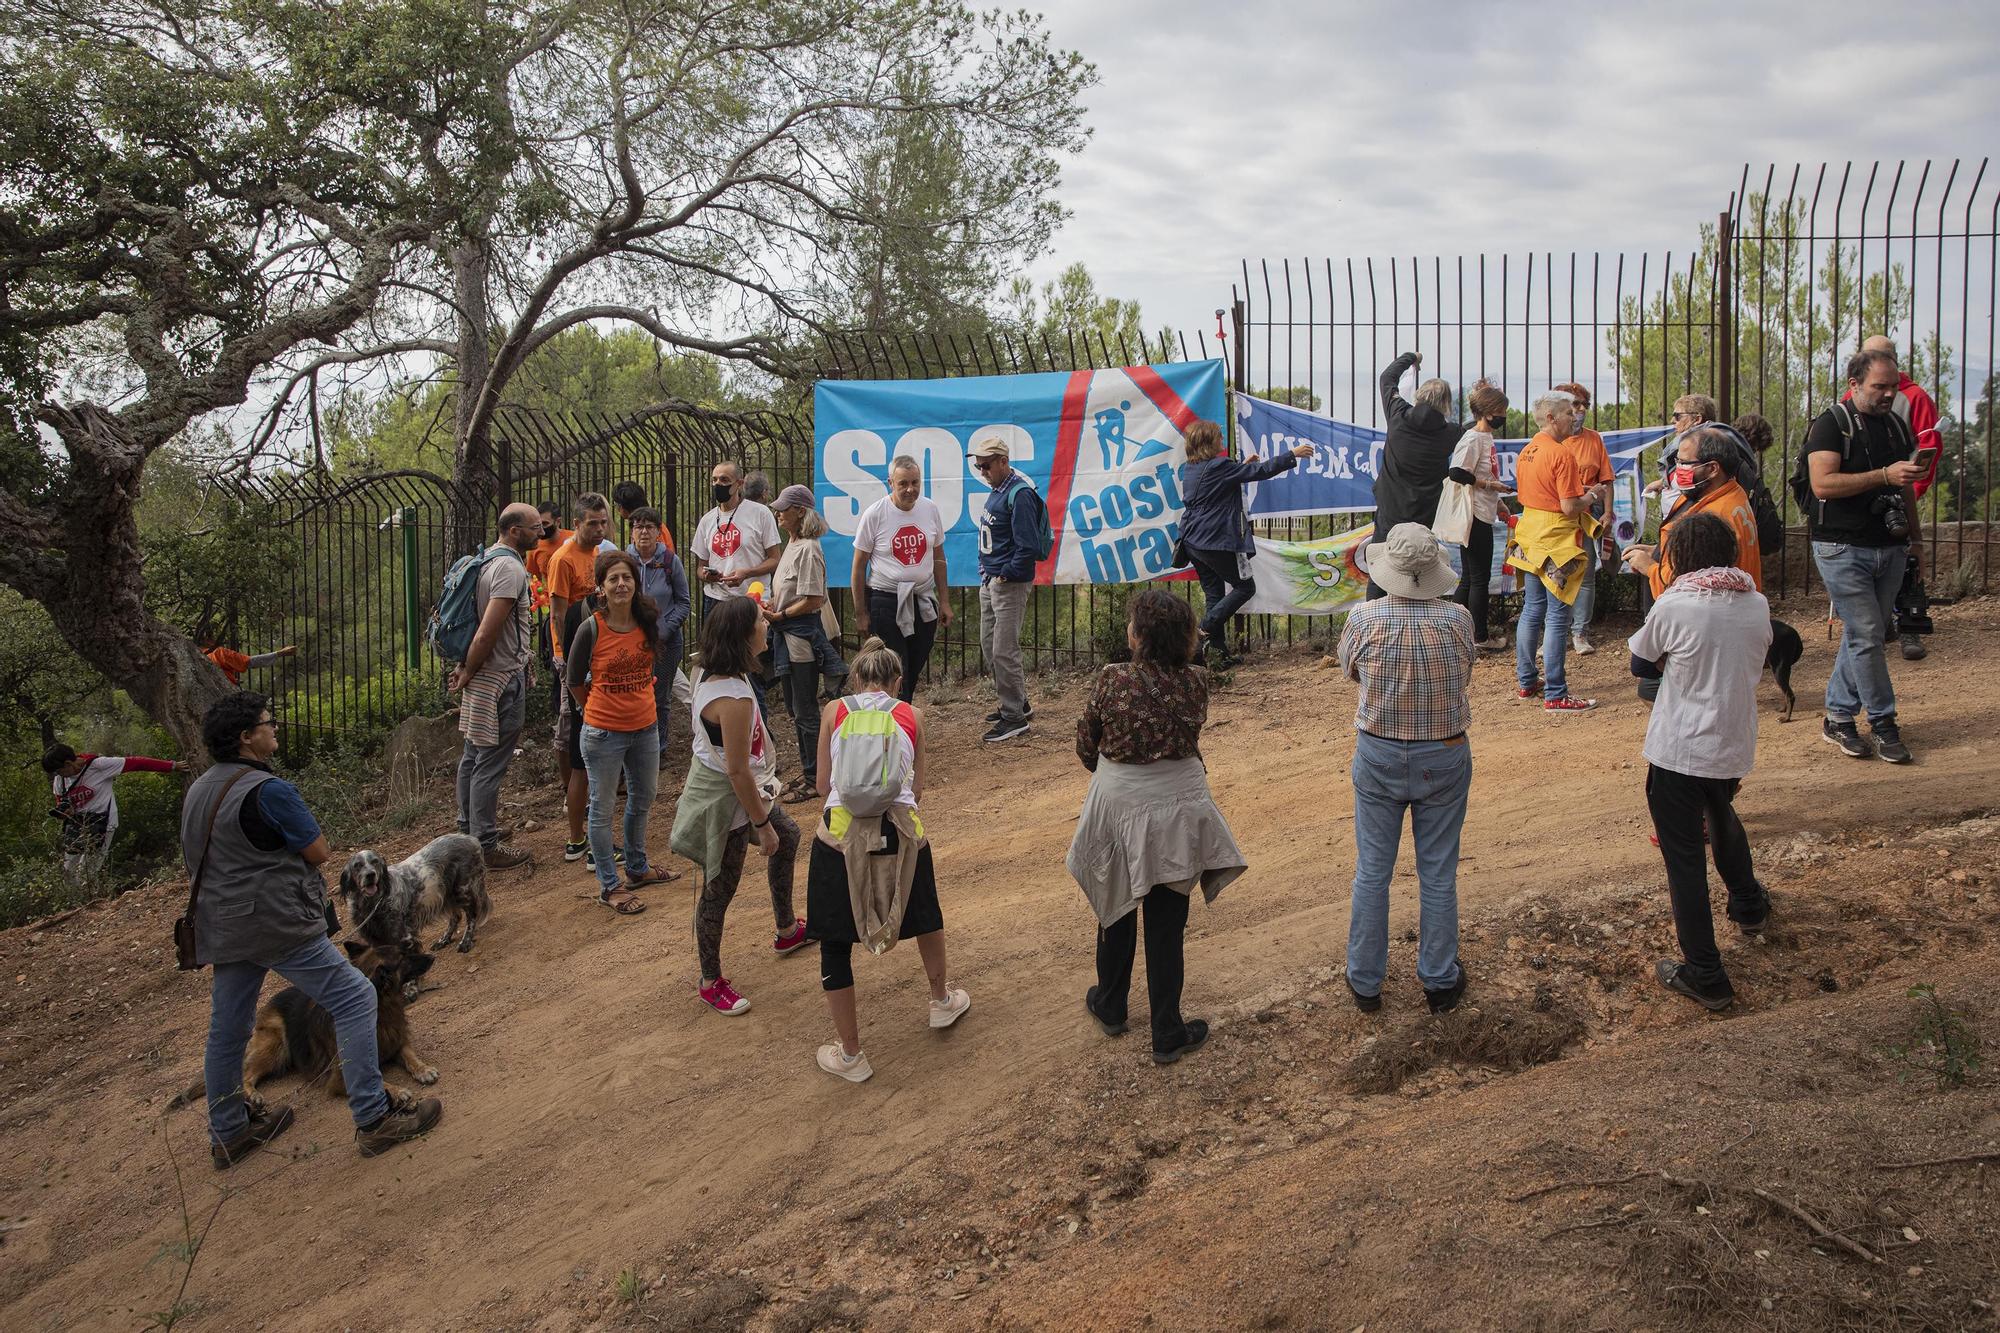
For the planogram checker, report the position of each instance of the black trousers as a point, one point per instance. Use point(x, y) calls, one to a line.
point(1477, 561)
point(1679, 804)
point(802, 701)
point(1223, 587)
point(914, 649)
point(1166, 914)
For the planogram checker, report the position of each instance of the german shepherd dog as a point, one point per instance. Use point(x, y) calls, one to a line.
point(392, 904)
point(293, 1034)
point(1784, 653)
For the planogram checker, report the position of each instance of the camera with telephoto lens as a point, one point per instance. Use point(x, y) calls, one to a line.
point(1895, 519)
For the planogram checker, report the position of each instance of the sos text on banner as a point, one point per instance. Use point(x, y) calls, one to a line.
point(1103, 447)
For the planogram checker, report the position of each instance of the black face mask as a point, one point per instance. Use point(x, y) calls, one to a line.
point(722, 490)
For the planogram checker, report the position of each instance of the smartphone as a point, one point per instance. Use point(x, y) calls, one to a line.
point(1925, 457)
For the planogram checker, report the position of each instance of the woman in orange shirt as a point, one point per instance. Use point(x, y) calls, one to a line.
point(1593, 465)
point(611, 678)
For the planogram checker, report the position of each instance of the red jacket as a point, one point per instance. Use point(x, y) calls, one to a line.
point(1915, 406)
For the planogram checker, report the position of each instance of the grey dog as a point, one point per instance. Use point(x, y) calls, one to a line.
point(390, 904)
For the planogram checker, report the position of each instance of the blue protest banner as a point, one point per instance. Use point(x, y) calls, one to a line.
point(1103, 447)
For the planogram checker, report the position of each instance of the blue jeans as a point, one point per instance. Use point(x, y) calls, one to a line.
point(1431, 780)
point(1586, 596)
point(1862, 580)
point(604, 754)
point(324, 974)
point(1544, 620)
point(810, 628)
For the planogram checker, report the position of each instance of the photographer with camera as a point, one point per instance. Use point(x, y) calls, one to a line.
point(1854, 486)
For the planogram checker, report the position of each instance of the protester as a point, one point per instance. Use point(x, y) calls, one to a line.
point(1474, 463)
point(1708, 632)
point(1215, 526)
point(576, 793)
point(731, 794)
point(1593, 466)
point(803, 628)
point(629, 496)
point(1412, 655)
point(1920, 413)
point(572, 579)
point(549, 539)
point(757, 488)
point(611, 677)
point(255, 852)
point(735, 542)
point(1010, 528)
point(901, 586)
point(1864, 528)
point(232, 663)
point(1417, 452)
point(86, 807)
point(664, 583)
point(492, 683)
point(1149, 832)
point(1703, 482)
point(1547, 546)
point(869, 879)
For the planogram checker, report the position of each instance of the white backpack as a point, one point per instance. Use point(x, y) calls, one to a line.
point(870, 764)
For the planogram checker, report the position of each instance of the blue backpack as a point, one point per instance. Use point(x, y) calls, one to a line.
point(1045, 537)
point(456, 618)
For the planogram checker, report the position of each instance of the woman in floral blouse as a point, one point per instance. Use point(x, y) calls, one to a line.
point(1150, 831)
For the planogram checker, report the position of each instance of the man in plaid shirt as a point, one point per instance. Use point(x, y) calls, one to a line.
point(1412, 656)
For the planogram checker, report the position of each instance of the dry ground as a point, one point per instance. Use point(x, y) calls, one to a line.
point(1311, 1168)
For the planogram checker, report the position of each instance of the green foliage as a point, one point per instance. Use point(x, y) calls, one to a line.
point(1293, 395)
point(628, 1286)
point(1071, 306)
point(1941, 1046)
point(31, 890)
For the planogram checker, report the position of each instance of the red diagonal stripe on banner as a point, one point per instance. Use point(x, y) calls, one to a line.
point(1164, 398)
point(1069, 436)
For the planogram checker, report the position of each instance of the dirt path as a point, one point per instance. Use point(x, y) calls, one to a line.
point(597, 1119)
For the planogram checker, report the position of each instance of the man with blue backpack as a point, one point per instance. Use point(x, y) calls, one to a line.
point(484, 623)
point(1014, 536)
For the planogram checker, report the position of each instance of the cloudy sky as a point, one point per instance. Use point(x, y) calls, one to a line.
point(1257, 129)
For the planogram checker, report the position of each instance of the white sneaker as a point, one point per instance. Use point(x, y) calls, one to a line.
point(837, 1062)
point(951, 1008)
point(1581, 645)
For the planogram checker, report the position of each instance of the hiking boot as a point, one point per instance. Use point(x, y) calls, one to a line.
point(502, 857)
point(1006, 731)
point(1367, 1004)
point(1673, 976)
point(262, 1128)
point(575, 851)
point(1446, 1000)
point(1029, 715)
point(1580, 644)
point(1568, 704)
point(951, 1008)
point(411, 1120)
point(837, 1062)
point(1104, 1025)
point(1889, 745)
point(1193, 1033)
point(1913, 647)
point(1847, 737)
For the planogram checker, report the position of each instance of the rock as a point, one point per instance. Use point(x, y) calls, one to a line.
point(418, 750)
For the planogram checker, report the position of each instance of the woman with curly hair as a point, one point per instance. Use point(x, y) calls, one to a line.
point(1150, 831)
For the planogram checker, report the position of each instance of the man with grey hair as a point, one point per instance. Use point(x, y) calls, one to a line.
point(901, 586)
point(492, 682)
point(757, 487)
point(1417, 453)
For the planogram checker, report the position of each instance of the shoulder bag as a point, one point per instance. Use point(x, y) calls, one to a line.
point(184, 955)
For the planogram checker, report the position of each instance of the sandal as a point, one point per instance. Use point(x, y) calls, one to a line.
point(625, 906)
point(798, 789)
point(651, 875)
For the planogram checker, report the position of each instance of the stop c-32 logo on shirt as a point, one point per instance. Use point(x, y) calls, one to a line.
point(728, 539)
point(910, 545)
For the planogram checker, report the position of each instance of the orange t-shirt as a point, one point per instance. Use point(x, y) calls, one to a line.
point(572, 576)
point(538, 557)
point(1729, 502)
point(1546, 474)
point(1593, 462)
point(621, 681)
point(232, 663)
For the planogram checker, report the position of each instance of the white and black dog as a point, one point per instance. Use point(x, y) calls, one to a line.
point(389, 904)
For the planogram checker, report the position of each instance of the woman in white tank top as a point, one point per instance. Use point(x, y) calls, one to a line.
point(875, 673)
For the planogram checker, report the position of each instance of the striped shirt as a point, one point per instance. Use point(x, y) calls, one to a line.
point(1413, 660)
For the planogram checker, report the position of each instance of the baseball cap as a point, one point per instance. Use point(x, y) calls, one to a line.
point(792, 497)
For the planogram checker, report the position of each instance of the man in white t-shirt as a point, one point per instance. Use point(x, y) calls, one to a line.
point(899, 578)
point(736, 542)
point(1709, 631)
point(85, 804)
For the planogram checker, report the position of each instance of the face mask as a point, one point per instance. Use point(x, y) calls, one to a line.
point(1687, 478)
point(722, 490)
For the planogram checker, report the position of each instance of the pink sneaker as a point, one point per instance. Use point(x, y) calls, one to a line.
point(720, 996)
point(1529, 691)
point(792, 941)
point(1569, 704)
